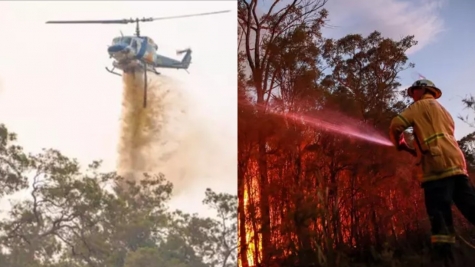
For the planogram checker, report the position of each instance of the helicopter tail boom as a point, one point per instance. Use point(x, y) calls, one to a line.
point(186, 59)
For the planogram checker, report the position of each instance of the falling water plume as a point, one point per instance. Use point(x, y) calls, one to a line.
point(145, 129)
point(168, 136)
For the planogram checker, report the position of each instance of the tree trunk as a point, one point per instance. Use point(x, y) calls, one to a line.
point(242, 220)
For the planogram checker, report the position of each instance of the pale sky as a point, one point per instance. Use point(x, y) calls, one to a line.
point(55, 92)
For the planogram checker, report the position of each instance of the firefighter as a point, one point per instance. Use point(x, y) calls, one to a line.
point(443, 171)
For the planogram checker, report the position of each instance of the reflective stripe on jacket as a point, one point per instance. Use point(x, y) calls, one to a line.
point(442, 239)
point(439, 154)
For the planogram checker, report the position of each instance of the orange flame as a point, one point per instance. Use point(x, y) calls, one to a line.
point(252, 239)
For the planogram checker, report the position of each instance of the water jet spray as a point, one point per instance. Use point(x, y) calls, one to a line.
point(344, 127)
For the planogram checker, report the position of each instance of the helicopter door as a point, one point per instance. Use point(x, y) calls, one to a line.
point(138, 46)
point(142, 48)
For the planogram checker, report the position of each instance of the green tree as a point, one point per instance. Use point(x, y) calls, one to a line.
point(215, 240)
point(223, 234)
point(13, 163)
point(174, 252)
point(76, 218)
point(366, 70)
point(469, 103)
point(467, 143)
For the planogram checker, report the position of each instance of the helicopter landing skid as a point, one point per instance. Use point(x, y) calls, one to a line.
point(112, 71)
point(118, 74)
point(156, 72)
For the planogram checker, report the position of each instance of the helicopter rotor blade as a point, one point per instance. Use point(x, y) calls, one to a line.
point(189, 15)
point(127, 21)
point(117, 21)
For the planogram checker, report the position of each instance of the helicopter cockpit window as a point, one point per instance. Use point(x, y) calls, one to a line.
point(116, 40)
point(121, 40)
point(134, 44)
point(126, 40)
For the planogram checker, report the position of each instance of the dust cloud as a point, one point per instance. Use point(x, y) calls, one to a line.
point(163, 137)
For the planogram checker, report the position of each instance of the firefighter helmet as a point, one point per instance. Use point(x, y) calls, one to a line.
point(426, 84)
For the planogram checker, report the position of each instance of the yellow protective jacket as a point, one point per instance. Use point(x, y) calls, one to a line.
point(439, 154)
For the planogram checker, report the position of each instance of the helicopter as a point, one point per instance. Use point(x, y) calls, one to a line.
point(139, 53)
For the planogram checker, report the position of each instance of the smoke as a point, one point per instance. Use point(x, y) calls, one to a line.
point(164, 137)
